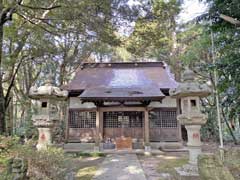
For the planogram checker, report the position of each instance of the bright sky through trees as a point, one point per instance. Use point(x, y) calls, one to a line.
point(191, 9)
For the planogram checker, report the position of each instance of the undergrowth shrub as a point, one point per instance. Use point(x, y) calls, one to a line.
point(50, 163)
point(47, 164)
point(7, 144)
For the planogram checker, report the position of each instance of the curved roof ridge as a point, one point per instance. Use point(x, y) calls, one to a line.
point(122, 64)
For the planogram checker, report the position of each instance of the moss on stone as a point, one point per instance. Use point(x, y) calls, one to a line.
point(86, 173)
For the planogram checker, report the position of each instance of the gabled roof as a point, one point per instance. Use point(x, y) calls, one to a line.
point(121, 80)
point(122, 94)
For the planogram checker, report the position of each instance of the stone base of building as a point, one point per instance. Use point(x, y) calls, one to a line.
point(96, 148)
point(166, 145)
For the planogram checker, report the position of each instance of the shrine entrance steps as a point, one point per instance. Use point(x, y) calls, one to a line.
point(156, 148)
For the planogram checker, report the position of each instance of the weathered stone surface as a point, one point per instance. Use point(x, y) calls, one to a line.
point(210, 167)
point(187, 172)
point(47, 91)
point(190, 87)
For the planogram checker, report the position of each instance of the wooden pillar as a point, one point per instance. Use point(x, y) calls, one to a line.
point(97, 137)
point(101, 125)
point(146, 127)
point(179, 111)
point(67, 122)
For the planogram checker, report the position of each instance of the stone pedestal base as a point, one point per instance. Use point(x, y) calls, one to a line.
point(187, 172)
point(193, 154)
point(147, 148)
point(44, 137)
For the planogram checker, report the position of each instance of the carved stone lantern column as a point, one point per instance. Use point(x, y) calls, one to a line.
point(190, 92)
point(48, 115)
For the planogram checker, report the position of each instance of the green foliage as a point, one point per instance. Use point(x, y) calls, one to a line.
point(152, 35)
point(27, 129)
point(50, 163)
point(55, 36)
point(7, 143)
point(197, 53)
point(196, 43)
point(227, 42)
point(209, 131)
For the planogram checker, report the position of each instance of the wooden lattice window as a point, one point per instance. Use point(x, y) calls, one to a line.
point(129, 119)
point(82, 119)
point(163, 118)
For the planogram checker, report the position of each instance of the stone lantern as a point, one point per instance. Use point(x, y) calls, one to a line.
point(48, 114)
point(190, 92)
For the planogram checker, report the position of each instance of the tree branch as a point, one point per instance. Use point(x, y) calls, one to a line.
point(37, 24)
point(7, 96)
point(40, 8)
point(6, 15)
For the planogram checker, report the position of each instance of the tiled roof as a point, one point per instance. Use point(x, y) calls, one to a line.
point(96, 79)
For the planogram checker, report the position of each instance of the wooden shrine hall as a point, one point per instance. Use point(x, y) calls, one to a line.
point(112, 102)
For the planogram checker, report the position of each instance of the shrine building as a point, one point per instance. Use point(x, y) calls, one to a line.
point(108, 102)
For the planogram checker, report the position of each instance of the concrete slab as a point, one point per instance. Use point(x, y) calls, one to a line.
point(120, 167)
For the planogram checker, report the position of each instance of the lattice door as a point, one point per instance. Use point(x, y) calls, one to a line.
point(82, 125)
point(123, 123)
point(163, 124)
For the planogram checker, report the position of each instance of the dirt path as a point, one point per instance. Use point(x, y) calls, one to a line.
point(120, 167)
point(160, 167)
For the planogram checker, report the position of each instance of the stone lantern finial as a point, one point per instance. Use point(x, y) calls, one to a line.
point(49, 80)
point(188, 75)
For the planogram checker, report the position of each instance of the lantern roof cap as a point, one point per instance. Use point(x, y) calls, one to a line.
point(190, 86)
point(47, 91)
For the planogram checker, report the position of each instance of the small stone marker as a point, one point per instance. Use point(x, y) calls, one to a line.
point(18, 168)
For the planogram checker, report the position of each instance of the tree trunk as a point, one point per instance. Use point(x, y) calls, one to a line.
point(2, 100)
point(9, 117)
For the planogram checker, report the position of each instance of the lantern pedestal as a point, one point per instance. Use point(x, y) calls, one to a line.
point(44, 124)
point(194, 142)
point(44, 138)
